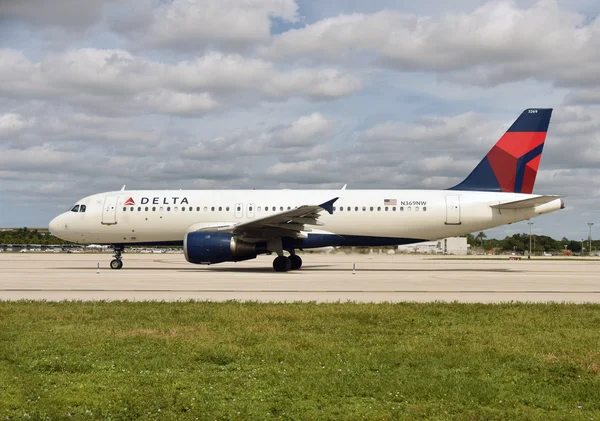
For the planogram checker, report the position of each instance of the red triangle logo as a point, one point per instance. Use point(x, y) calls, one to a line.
point(129, 202)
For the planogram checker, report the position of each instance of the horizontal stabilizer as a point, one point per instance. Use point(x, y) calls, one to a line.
point(526, 203)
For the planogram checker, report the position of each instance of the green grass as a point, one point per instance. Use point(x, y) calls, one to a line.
point(240, 361)
point(507, 257)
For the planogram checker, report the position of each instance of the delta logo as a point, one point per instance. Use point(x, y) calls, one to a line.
point(130, 202)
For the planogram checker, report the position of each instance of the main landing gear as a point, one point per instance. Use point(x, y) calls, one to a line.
point(283, 263)
point(117, 262)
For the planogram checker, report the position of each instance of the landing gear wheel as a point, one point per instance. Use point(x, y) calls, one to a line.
point(282, 264)
point(296, 262)
point(116, 264)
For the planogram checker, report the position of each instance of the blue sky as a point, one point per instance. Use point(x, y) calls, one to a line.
point(291, 94)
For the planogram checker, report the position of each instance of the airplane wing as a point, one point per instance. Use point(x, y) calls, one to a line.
point(526, 203)
point(289, 223)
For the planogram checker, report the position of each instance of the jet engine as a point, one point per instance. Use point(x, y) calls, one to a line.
point(202, 247)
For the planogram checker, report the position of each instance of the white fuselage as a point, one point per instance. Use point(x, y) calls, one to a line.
point(158, 216)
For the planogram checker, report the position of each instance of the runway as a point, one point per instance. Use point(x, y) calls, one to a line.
point(323, 278)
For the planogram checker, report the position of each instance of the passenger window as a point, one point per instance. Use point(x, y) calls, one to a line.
point(341, 208)
point(348, 208)
point(356, 208)
point(408, 209)
point(131, 209)
point(183, 209)
point(371, 208)
point(139, 208)
point(227, 208)
point(124, 209)
point(250, 208)
point(364, 208)
point(146, 208)
point(198, 209)
point(212, 208)
point(205, 208)
point(401, 208)
point(289, 208)
point(239, 209)
point(394, 208)
point(416, 209)
point(153, 208)
point(176, 208)
point(82, 208)
point(424, 208)
point(220, 208)
point(378, 208)
point(386, 208)
point(160, 209)
point(168, 208)
point(258, 209)
point(281, 208)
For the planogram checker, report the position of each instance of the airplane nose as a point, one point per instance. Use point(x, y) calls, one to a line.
point(54, 225)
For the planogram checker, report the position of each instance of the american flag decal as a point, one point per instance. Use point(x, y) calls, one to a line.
point(390, 202)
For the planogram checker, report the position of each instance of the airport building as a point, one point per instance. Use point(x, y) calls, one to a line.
point(452, 245)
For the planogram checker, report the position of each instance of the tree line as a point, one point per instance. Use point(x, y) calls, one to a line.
point(539, 244)
point(26, 236)
point(515, 243)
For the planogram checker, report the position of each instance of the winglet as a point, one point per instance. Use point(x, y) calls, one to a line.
point(328, 206)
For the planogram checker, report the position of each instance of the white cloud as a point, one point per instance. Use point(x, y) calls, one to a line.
point(234, 73)
point(303, 137)
point(187, 25)
point(496, 43)
point(68, 14)
point(178, 103)
point(584, 96)
point(106, 80)
point(468, 131)
point(13, 123)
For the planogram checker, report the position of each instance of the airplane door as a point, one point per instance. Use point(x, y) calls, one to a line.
point(452, 210)
point(250, 210)
point(239, 210)
point(109, 212)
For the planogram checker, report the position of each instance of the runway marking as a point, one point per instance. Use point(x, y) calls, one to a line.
point(307, 291)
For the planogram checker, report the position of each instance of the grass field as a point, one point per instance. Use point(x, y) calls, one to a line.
point(299, 361)
point(539, 259)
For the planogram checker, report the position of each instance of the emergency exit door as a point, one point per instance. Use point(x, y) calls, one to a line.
point(452, 210)
point(109, 212)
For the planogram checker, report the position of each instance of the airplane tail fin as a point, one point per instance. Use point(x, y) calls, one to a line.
point(512, 164)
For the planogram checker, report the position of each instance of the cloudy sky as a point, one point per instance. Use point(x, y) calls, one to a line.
point(217, 94)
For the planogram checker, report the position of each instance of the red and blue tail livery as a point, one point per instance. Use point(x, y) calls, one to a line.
point(512, 164)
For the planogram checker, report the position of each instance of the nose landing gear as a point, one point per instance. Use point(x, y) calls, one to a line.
point(117, 262)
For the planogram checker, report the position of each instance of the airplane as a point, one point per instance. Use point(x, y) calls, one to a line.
point(217, 226)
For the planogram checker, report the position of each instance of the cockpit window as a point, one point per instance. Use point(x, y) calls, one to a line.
point(75, 208)
point(82, 208)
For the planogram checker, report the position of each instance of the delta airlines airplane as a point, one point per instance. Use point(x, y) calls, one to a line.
point(217, 226)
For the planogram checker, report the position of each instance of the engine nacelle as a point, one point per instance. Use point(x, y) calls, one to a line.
point(216, 247)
